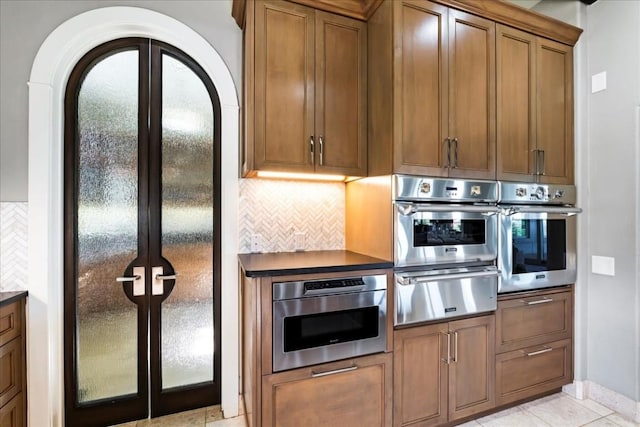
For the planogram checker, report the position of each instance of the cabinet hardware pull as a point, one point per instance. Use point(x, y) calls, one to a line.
point(536, 158)
point(545, 350)
point(448, 140)
point(540, 301)
point(448, 359)
point(321, 149)
point(455, 346)
point(455, 153)
point(312, 143)
point(544, 166)
point(315, 374)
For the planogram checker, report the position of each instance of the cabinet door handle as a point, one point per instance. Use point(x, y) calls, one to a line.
point(448, 359)
point(448, 141)
point(536, 158)
point(540, 301)
point(321, 149)
point(315, 374)
point(312, 142)
point(455, 346)
point(545, 350)
point(544, 166)
point(455, 153)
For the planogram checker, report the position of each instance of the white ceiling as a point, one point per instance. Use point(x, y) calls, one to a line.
point(526, 3)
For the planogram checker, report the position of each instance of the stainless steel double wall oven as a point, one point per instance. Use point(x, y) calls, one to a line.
point(445, 247)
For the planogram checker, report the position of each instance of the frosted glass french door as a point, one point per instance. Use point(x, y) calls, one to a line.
point(141, 235)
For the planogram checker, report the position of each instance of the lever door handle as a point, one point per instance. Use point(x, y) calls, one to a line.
point(157, 284)
point(137, 279)
point(128, 278)
point(166, 276)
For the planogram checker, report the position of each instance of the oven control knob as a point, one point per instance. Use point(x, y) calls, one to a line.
point(559, 194)
point(521, 191)
point(539, 193)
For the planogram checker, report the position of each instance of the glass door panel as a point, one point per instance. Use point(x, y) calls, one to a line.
point(107, 232)
point(187, 350)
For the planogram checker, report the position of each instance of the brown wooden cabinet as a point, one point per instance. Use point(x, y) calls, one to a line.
point(13, 390)
point(443, 372)
point(354, 392)
point(534, 334)
point(435, 67)
point(535, 108)
point(305, 90)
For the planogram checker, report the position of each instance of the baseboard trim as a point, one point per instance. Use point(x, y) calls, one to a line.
point(615, 401)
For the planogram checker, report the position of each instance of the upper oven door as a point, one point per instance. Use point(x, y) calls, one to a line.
point(428, 234)
point(537, 247)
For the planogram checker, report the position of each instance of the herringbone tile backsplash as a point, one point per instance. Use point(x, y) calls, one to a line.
point(276, 210)
point(13, 246)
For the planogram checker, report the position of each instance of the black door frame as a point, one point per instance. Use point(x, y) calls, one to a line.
point(112, 411)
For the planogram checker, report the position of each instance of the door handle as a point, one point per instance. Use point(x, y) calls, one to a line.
point(455, 153)
point(455, 346)
point(137, 279)
point(448, 359)
point(321, 149)
point(158, 278)
point(448, 140)
point(312, 143)
point(315, 374)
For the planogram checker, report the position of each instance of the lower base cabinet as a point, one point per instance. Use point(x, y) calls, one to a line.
point(356, 392)
point(444, 372)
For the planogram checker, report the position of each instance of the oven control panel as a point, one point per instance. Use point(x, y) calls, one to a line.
point(512, 192)
point(333, 284)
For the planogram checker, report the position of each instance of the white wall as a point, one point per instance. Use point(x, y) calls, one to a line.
point(608, 180)
point(24, 25)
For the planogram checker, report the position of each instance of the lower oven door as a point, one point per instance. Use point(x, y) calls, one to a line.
point(432, 234)
point(439, 294)
point(537, 247)
point(312, 330)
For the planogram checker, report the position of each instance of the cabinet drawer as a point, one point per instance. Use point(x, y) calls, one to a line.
point(533, 319)
point(13, 413)
point(524, 373)
point(10, 370)
point(354, 392)
point(10, 322)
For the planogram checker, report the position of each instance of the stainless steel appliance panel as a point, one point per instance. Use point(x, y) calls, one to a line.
point(329, 324)
point(416, 188)
point(537, 247)
point(431, 234)
point(532, 193)
point(440, 294)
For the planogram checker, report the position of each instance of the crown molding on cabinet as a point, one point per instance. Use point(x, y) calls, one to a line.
point(497, 10)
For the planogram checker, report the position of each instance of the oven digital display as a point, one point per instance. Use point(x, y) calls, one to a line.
point(448, 232)
point(538, 245)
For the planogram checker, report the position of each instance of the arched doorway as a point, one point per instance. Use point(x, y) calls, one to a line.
point(142, 227)
point(51, 69)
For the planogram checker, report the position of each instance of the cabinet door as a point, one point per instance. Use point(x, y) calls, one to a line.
point(472, 96)
point(284, 86)
point(516, 99)
point(13, 413)
point(421, 79)
point(471, 372)
point(341, 97)
point(420, 375)
point(353, 392)
point(555, 111)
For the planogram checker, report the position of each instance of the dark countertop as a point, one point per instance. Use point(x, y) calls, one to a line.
point(7, 298)
point(312, 262)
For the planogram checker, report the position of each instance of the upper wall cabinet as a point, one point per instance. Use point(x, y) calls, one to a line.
point(431, 91)
point(305, 90)
point(535, 108)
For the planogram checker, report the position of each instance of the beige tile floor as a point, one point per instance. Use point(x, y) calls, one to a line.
point(558, 410)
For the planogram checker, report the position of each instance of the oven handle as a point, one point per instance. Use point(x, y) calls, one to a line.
point(333, 291)
point(566, 211)
point(411, 208)
point(407, 281)
point(315, 374)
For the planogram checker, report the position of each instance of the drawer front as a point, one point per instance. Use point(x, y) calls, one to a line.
point(10, 370)
point(533, 320)
point(528, 372)
point(13, 413)
point(10, 322)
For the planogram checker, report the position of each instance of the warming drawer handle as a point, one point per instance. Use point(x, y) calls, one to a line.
point(535, 353)
point(315, 374)
point(407, 281)
point(566, 211)
point(539, 301)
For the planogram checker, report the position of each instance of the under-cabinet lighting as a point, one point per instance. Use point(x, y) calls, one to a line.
point(301, 176)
